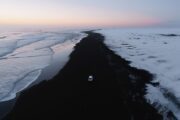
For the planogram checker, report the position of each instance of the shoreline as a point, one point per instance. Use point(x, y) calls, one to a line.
point(117, 90)
point(47, 73)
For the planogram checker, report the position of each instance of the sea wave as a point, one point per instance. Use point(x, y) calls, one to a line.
point(25, 55)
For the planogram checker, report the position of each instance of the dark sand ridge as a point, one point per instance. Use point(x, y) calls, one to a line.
point(116, 92)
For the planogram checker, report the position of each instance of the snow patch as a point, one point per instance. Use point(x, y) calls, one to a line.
point(157, 51)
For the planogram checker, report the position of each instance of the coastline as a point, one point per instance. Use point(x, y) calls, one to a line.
point(117, 90)
point(60, 58)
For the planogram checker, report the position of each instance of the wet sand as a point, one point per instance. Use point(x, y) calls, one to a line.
point(116, 91)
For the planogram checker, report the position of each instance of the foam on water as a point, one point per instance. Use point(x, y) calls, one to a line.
point(22, 84)
point(8, 43)
point(16, 68)
point(24, 55)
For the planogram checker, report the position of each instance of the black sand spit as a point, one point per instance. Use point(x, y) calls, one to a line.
point(116, 92)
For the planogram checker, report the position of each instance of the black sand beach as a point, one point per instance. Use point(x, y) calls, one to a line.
point(115, 93)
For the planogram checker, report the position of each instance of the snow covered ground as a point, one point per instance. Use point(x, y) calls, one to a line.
point(157, 51)
point(23, 56)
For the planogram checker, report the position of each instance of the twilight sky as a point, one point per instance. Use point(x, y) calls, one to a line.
point(126, 13)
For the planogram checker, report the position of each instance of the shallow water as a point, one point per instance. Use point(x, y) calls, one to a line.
point(25, 55)
point(32, 60)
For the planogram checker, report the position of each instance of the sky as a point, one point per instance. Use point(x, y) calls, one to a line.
point(122, 13)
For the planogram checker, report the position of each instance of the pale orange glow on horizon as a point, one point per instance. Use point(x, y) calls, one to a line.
point(65, 13)
point(80, 21)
